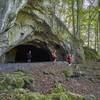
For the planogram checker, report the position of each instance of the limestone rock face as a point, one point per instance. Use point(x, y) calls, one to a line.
point(23, 22)
point(8, 12)
point(23, 25)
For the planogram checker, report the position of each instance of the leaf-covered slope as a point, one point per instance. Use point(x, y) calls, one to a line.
point(12, 87)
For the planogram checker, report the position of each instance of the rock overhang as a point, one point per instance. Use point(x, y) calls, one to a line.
point(34, 22)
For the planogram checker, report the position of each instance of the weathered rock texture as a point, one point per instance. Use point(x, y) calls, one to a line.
point(22, 22)
point(8, 12)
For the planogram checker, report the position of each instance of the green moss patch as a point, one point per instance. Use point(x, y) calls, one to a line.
point(68, 72)
point(14, 80)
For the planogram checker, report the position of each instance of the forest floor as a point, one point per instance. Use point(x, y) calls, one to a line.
point(82, 79)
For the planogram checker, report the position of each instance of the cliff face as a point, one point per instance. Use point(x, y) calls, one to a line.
point(30, 22)
point(8, 12)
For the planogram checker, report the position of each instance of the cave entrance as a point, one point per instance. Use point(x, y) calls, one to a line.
point(29, 53)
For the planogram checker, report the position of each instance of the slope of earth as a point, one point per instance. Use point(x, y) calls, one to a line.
point(83, 79)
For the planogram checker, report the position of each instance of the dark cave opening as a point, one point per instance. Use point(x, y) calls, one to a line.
point(29, 53)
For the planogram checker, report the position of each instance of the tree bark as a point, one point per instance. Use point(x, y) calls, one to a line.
point(89, 24)
point(73, 17)
point(78, 19)
point(98, 41)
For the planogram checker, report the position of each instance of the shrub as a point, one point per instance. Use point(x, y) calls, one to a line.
point(90, 54)
point(13, 80)
point(58, 88)
point(68, 73)
point(21, 94)
point(98, 77)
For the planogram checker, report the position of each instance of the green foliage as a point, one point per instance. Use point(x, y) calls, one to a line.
point(68, 73)
point(13, 80)
point(98, 77)
point(59, 93)
point(58, 88)
point(22, 94)
point(90, 54)
point(16, 82)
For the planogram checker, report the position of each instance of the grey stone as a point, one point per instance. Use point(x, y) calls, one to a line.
point(8, 12)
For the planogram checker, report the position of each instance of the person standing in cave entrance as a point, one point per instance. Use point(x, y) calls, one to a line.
point(54, 56)
point(69, 58)
point(29, 56)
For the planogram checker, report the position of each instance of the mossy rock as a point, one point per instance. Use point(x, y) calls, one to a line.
point(13, 80)
point(68, 72)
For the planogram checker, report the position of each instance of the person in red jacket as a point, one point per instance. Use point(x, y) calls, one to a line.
point(68, 58)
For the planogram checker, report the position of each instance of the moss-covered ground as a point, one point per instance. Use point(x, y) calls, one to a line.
point(14, 86)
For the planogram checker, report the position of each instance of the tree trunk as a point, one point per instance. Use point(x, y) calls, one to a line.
point(73, 17)
point(98, 41)
point(89, 24)
point(78, 19)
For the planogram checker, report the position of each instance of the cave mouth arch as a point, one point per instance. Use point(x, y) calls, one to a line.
point(38, 54)
point(19, 54)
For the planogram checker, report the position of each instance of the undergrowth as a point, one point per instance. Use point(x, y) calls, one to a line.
point(12, 87)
